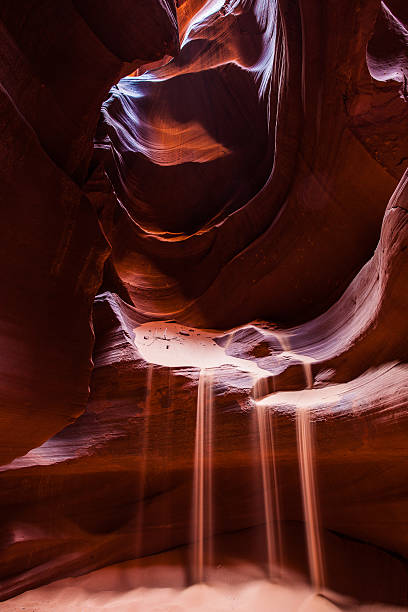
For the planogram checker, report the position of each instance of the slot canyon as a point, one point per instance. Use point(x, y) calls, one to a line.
point(204, 321)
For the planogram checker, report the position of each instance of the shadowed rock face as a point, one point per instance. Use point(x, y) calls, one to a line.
point(55, 72)
point(253, 186)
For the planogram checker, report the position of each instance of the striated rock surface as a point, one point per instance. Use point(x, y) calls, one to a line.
point(243, 211)
point(57, 67)
point(242, 224)
point(117, 483)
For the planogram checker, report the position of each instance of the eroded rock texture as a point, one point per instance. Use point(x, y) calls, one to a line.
point(253, 185)
point(270, 214)
point(55, 73)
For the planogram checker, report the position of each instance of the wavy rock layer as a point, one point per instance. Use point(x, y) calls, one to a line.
point(118, 482)
point(257, 176)
point(296, 150)
point(55, 72)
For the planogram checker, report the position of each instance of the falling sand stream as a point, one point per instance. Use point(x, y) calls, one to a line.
point(305, 443)
point(305, 449)
point(202, 519)
point(175, 346)
point(269, 482)
point(144, 457)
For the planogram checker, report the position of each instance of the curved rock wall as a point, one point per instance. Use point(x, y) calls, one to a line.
point(254, 184)
point(297, 151)
point(55, 73)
